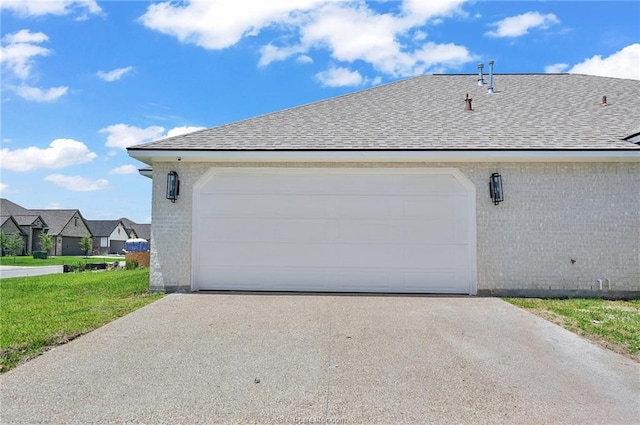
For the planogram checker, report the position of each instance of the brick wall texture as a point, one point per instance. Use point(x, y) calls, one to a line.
point(561, 227)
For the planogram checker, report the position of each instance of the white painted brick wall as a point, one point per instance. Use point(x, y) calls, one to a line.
point(552, 213)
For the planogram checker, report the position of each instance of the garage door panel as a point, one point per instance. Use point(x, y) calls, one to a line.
point(439, 185)
point(347, 230)
point(263, 230)
point(345, 280)
point(275, 279)
point(261, 254)
point(439, 281)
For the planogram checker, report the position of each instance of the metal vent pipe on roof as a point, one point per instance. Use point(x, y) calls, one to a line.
point(490, 89)
point(467, 103)
point(480, 76)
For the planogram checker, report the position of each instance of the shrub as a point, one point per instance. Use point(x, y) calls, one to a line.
point(132, 265)
point(77, 267)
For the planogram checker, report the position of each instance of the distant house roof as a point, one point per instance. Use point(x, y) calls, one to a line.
point(142, 230)
point(9, 208)
point(102, 228)
point(527, 112)
point(139, 230)
point(29, 220)
point(57, 219)
point(8, 218)
point(23, 216)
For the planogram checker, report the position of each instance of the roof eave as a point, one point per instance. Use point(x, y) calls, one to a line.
point(151, 157)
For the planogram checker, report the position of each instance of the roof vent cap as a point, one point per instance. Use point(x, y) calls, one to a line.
point(490, 89)
point(480, 76)
point(467, 103)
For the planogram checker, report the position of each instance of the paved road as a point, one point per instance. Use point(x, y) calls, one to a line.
point(20, 271)
point(197, 358)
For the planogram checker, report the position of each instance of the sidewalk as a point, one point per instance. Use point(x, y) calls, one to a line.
point(20, 271)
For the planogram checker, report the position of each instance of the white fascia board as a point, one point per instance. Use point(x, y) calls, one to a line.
point(150, 157)
point(146, 172)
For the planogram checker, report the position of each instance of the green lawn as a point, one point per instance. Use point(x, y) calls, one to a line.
point(614, 324)
point(43, 311)
point(28, 260)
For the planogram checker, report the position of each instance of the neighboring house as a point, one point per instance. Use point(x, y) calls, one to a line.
point(109, 236)
point(387, 190)
point(137, 230)
point(10, 226)
point(32, 225)
point(67, 227)
point(143, 231)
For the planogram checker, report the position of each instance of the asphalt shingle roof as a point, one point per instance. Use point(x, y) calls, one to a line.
point(142, 230)
point(9, 208)
point(102, 228)
point(527, 112)
point(56, 219)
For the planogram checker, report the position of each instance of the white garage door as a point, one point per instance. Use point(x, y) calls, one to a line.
point(348, 230)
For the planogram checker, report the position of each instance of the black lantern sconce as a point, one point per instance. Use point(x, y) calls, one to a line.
point(173, 186)
point(495, 188)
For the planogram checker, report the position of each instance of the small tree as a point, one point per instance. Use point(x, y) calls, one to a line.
point(14, 244)
point(86, 244)
point(46, 242)
point(3, 242)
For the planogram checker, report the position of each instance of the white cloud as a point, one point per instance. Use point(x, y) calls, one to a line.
point(114, 75)
point(25, 36)
point(40, 95)
point(556, 68)
point(271, 53)
point(516, 26)
point(358, 33)
point(124, 169)
point(622, 64)
point(26, 8)
point(17, 55)
point(77, 183)
point(420, 36)
point(350, 31)
point(421, 10)
point(220, 24)
point(434, 56)
point(177, 131)
point(123, 135)
point(340, 77)
point(60, 153)
point(3, 187)
point(304, 59)
point(19, 50)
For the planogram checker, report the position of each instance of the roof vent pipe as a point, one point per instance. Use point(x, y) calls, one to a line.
point(480, 77)
point(604, 101)
point(467, 103)
point(490, 89)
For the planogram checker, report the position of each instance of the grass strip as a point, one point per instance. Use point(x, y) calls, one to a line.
point(39, 312)
point(613, 324)
point(29, 261)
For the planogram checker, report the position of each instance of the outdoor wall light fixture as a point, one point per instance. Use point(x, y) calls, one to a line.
point(495, 188)
point(173, 186)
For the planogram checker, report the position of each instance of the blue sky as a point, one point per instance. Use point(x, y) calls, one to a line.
point(84, 79)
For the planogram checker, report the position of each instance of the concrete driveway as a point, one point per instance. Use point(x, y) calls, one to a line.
point(226, 358)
